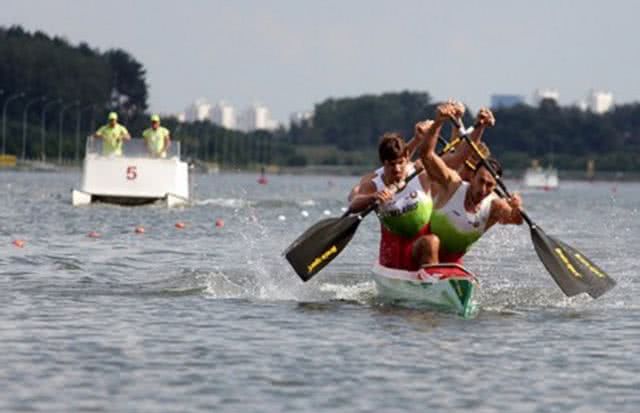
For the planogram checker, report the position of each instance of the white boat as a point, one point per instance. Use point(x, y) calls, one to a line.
point(133, 178)
point(540, 178)
point(448, 287)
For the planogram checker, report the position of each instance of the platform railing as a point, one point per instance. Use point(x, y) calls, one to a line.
point(134, 148)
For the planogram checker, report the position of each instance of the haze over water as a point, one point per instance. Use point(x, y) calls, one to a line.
point(214, 319)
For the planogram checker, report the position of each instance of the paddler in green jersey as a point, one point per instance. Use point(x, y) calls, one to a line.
point(112, 135)
point(457, 154)
point(404, 214)
point(464, 211)
point(157, 138)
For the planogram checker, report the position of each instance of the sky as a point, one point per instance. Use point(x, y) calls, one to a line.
point(292, 54)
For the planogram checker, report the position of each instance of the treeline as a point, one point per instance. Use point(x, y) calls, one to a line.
point(565, 136)
point(63, 92)
point(42, 75)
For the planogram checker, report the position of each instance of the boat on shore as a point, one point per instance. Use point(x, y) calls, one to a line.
point(133, 178)
point(540, 178)
point(444, 287)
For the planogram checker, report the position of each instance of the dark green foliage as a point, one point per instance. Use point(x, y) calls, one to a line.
point(343, 131)
point(564, 136)
point(39, 65)
point(42, 66)
point(354, 123)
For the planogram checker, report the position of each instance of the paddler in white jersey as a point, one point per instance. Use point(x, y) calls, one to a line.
point(457, 154)
point(464, 211)
point(405, 215)
point(412, 147)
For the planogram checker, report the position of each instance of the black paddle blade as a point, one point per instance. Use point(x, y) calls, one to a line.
point(320, 244)
point(595, 276)
point(573, 273)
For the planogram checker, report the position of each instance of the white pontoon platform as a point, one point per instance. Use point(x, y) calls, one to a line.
point(133, 178)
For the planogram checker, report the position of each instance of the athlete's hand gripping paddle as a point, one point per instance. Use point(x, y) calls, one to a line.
point(323, 241)
point(572, 271)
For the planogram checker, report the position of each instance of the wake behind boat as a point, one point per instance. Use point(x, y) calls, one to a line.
point(447, 287)
point(133, 178)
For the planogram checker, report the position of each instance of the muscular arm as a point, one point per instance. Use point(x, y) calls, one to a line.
point(506, 211)
point(456, 158)
point(437, 169)
point(363, 181)
point(363, 196)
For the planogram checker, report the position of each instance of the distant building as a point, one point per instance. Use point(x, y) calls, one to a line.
point(257, 117)
point(198, 110)
point(582, 105)
point(224, 115)
point(298, 118)
point(506, 101)
point(541, 94)
point(599, 102)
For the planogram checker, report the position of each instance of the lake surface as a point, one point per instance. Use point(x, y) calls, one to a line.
point(210, 318)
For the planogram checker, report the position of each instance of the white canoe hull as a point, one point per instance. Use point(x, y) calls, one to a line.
point(448, 287)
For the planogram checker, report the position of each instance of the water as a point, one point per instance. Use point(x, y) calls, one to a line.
point(213, 319)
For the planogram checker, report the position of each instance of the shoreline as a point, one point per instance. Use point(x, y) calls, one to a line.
point(330, 170)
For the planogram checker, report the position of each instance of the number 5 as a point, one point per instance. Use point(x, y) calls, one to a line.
point(132, 173)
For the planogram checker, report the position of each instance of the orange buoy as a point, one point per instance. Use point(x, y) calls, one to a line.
point(219, 223)
point(139, 230)
point(18, 243)
point(180, 225)
point(93, 234)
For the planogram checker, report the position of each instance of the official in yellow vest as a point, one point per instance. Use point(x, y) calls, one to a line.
point(157, 138)
point(112, 135)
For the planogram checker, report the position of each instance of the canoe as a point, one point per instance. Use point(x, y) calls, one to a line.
point(445, 287)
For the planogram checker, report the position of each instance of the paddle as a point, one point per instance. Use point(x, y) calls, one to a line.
point(572, 271)
point(324, 240)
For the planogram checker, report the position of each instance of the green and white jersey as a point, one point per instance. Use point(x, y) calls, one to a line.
point(409, 210)
point(457, 228)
